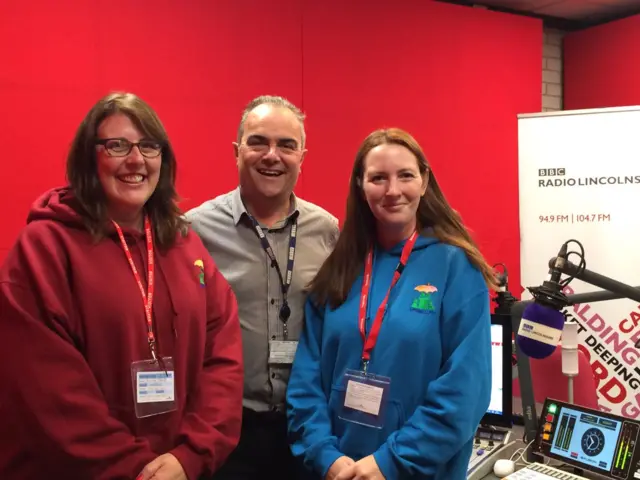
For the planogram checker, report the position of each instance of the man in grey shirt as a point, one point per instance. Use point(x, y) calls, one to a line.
point(269, 245)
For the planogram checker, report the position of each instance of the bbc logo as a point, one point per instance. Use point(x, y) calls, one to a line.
point(551, 172)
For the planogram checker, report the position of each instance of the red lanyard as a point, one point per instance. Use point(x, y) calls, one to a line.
point(372, 338)
point(147, 298)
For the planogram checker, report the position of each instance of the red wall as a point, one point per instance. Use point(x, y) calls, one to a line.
point(602, 65)
point(455, 77)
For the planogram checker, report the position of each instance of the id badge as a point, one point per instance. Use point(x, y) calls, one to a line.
point(154, 389)
point(282, 351)
point(365, 398)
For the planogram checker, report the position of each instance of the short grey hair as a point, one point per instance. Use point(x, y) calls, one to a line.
point(276, 101)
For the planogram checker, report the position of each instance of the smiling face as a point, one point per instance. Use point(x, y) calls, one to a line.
point(128, 181)
point(392, 186)
point(269, 154)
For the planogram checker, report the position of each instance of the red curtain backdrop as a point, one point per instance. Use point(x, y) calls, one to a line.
point(602, 65)
point(455, 77)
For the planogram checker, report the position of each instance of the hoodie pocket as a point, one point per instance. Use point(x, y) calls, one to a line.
point(359, 440)
point(336, 399)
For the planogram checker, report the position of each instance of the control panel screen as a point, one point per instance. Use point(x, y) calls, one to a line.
point(495, 405)
point(596, 441)
point(498, 413)
point(588, 438)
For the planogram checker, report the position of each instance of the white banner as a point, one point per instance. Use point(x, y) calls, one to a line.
point(579, 174)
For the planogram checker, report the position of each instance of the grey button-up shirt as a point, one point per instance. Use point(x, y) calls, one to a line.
point(228, 234)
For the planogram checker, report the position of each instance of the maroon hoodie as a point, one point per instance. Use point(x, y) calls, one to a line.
point(72, 322)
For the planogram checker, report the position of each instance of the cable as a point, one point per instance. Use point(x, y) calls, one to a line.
point(503, 299)
point(582, 265)
point(522, 451)
point(501, 278)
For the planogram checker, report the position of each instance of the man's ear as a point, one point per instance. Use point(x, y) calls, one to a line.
point(236, 152)
point(303, 155)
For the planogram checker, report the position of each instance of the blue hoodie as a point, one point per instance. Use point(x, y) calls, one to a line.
point(434, 345)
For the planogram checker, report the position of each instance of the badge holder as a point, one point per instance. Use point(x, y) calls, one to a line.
point(282, 351)
point(365, 398)
point(154, 390)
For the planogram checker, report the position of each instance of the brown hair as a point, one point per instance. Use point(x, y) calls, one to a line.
point(82, 170)
point(336, 276)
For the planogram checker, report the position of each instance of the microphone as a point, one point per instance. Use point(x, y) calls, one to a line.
point(542, 321)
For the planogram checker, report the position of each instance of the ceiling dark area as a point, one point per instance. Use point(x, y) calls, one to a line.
point(563, 14)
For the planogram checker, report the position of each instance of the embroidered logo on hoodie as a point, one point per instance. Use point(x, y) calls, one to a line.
point(423, 302)
point(198, 263)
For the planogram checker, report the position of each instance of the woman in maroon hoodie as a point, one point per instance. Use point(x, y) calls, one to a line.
point(121, 349)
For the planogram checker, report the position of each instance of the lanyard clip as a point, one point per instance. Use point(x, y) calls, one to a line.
point(156, 359)
point(152, 347)
point(365, 365)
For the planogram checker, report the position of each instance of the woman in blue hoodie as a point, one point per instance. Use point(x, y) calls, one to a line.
point(393, 371)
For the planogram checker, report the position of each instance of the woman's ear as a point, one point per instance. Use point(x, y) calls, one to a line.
point(359, 184)
point(425, 182)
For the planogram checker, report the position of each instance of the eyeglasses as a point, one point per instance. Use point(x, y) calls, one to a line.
point(121, 147)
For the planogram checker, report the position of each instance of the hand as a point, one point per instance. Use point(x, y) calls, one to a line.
point(337, 466)
point(165, 467)
point(365, 469)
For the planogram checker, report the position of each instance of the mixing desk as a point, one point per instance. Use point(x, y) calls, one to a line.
point(487, 441)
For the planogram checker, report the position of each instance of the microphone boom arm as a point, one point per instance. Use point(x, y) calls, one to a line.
point(612, 290)
point(595, 279)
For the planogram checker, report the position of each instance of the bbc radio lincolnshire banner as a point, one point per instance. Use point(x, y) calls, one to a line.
point(579, 174)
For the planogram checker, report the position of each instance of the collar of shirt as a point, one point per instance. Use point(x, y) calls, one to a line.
point(239, 210)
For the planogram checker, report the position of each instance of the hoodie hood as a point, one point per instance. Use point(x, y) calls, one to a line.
point(58, 204)
point(425, 239)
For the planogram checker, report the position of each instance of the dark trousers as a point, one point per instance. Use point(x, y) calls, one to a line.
point(263, 451)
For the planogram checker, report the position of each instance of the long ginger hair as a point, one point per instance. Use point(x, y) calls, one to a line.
point(341, 268)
